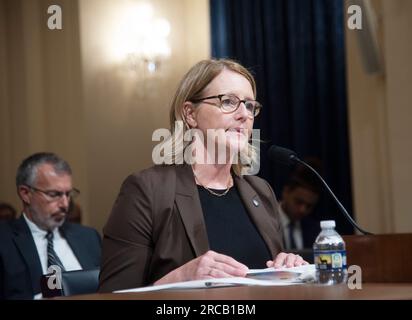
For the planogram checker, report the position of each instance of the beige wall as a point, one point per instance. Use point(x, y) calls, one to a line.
point(62, 92)
point(380, 113)
point(121, 108)
point(40, 83)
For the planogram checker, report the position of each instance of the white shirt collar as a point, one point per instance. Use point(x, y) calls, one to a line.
point(35, 230)
point(284, 219)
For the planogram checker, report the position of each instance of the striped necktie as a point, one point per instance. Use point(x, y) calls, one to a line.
point(52, 258)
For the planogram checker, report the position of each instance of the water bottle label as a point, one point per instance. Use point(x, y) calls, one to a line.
point(330, 260)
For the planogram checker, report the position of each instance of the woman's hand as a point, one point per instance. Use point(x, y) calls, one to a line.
point(287, 260)
point(208, 265)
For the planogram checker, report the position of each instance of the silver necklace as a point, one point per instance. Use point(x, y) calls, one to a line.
point(217, 194)
point(211, 191)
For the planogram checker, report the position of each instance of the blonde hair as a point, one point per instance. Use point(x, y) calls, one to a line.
point(191, 88)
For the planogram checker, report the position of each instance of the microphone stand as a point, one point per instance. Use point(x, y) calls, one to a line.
point(341, 207)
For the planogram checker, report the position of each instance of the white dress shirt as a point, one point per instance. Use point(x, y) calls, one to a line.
point(61, 247)
point(297, 231)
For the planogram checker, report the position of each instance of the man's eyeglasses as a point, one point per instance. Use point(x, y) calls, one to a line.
point(230, 103)
point(55, 195)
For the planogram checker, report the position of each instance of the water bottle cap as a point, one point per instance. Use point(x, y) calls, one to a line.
point(327, 224)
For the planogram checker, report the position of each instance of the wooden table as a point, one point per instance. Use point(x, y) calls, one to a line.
point(373, 291)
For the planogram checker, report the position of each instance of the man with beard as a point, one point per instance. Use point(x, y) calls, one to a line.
point(41, 237)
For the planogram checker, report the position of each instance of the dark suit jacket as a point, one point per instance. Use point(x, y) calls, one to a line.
point(156, 225)
point(310, 230)
point(20, 267)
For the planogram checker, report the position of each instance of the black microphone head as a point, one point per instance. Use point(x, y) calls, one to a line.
point(282, 155)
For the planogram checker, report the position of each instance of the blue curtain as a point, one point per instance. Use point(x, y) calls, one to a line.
point(295, 48)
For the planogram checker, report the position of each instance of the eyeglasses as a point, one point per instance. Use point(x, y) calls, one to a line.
point(230, 103)
point(55, 195)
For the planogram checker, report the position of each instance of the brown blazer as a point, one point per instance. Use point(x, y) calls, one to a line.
point(156, 225)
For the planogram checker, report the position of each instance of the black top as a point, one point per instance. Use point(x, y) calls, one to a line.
point(230, 229)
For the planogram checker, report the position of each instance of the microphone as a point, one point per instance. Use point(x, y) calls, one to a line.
point(286, 156)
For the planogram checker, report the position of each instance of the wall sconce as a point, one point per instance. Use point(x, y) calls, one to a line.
point(142, 39)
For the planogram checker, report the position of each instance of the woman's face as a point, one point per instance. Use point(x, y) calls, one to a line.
point(236, 127)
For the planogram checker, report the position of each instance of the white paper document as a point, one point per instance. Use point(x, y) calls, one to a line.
point(255, 277)
point(304, 273)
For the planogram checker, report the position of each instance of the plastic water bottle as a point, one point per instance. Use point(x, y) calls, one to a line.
point(330, 255)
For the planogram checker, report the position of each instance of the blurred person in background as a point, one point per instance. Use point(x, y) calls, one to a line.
point(41, 237)
point(7, 212)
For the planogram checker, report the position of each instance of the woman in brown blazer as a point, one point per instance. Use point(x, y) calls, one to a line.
point(196, 216)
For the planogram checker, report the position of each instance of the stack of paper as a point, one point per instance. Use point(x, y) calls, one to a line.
point(305, 273)
point(255, 277)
